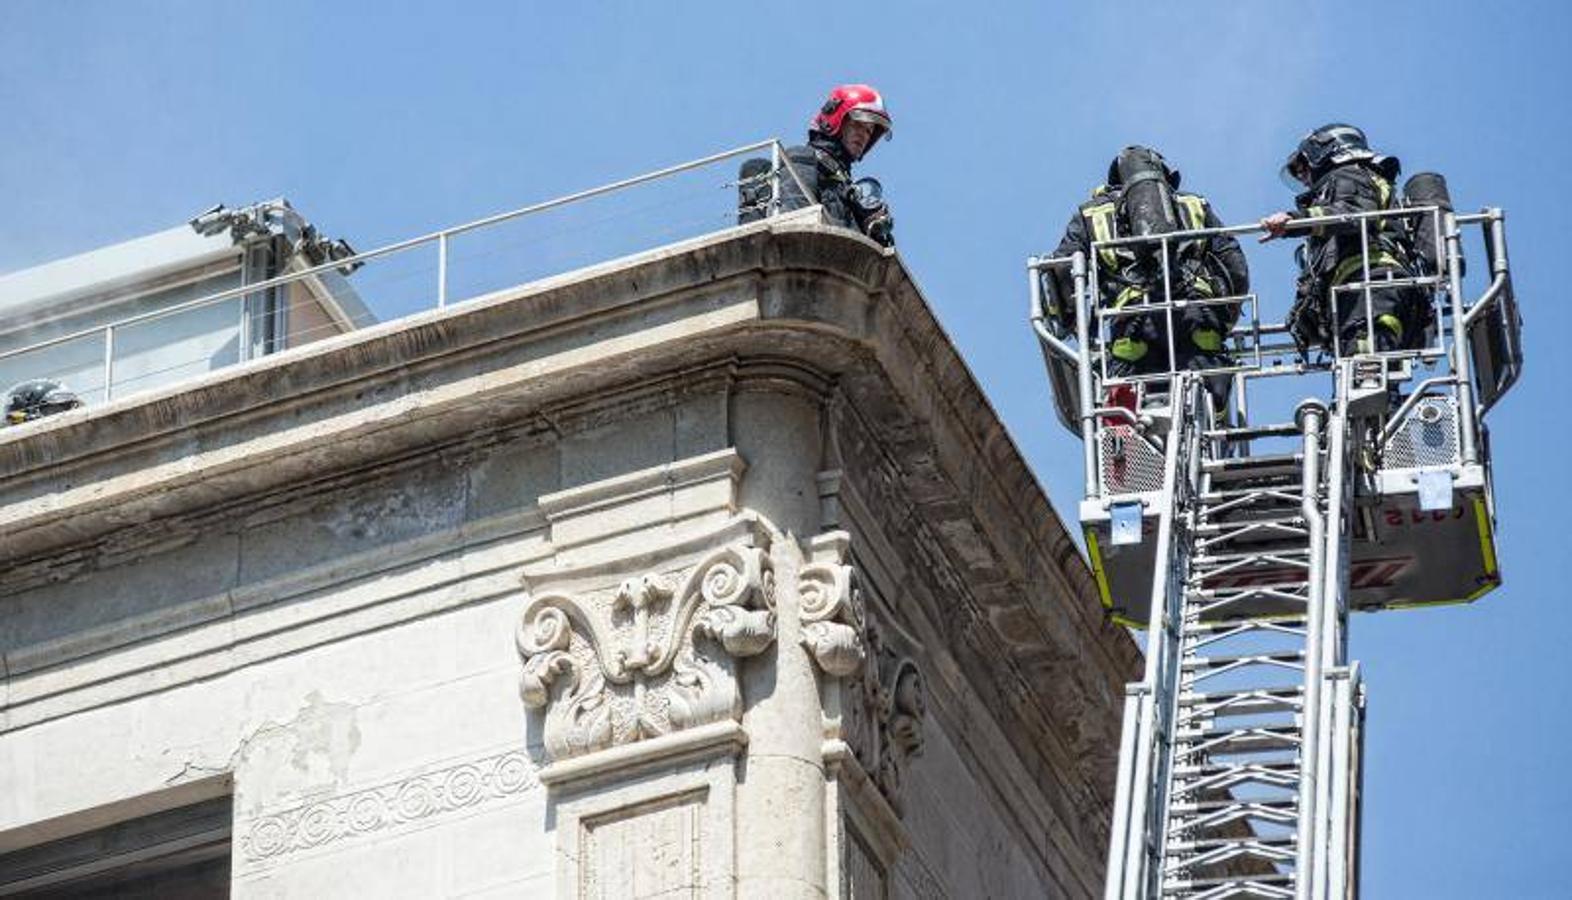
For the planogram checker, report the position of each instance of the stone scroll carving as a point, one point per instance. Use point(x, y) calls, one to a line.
point(832, 617)
point(653, 656)
point(883, 703)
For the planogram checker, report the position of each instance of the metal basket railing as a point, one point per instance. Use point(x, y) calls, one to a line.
point(1474, 342)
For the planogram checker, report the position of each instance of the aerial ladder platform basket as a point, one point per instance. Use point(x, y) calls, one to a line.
point(1241, 543)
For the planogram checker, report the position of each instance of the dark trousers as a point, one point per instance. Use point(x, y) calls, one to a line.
point(1151, 329)
point(1401, 315)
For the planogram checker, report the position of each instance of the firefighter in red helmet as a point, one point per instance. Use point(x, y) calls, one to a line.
point(846, 127)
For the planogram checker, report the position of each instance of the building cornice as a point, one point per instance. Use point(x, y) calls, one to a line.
point(803, 303)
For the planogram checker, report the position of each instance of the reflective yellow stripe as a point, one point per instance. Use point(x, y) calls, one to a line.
point(1316, 212)
point(1383, 190)
point(1455, 601)
point(1206, 339)
point(1131, 292)
point(1128, 349)
point(1487, 545)
point(1101, 218)
point(1392, 323)
point(1351, 266)
point(1470, 597)
point(1483, 589)
point(1098, 575)
point(1195, 208)
point(1487, 553)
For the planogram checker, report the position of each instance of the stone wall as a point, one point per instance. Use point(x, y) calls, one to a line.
point(708, 572)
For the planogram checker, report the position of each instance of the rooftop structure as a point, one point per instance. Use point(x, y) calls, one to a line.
point(170, 306)
point(704, 570)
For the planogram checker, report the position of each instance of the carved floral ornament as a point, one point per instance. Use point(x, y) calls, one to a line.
point(894, 703)
point(654, 656)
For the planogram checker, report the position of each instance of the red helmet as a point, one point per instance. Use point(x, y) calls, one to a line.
point(858, 101)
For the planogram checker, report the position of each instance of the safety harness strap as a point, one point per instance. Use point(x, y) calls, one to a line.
point(1100, 218)
point(1348, 268)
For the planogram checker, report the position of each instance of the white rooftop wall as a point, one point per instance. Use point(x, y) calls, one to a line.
point(25, 293)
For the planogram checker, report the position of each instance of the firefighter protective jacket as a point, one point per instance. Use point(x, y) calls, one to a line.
point(1218, 265)
point(1333, 252)
point(824, 167)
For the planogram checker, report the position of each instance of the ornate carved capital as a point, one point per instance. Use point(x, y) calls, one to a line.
point(654, 656)
point(832, 616)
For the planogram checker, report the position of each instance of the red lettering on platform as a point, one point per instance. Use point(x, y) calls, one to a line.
point(1365, 573)
point(1396, 519)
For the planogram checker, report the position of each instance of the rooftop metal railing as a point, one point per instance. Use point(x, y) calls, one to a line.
point(677, 202)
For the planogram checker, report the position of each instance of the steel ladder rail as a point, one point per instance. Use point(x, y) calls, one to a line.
point(1227, 804)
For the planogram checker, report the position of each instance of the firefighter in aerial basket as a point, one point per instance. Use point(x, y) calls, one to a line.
point(845, 128)
point(38, 398)
point(1142, 198)
point(1338, 174)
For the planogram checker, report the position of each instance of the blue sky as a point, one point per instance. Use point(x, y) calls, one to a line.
point(382, 121)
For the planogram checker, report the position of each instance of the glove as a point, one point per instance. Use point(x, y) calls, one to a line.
point(881, 228)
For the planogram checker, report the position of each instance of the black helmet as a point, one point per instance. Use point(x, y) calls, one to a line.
point(1135, 157)
point(1330, 146)
point(38, 398)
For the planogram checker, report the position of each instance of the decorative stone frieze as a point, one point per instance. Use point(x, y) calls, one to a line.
point(422, 796)
point(651, 657)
